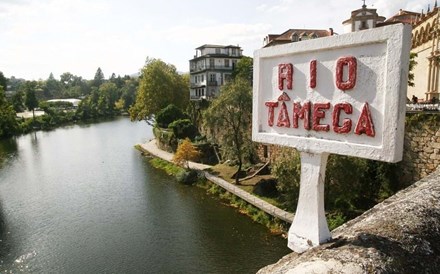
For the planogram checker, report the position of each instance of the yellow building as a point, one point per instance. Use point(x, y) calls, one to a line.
point(425, 42)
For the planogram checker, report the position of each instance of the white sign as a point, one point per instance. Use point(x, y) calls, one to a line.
point(342, 94)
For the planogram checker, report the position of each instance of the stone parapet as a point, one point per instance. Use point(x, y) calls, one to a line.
point(399, 235)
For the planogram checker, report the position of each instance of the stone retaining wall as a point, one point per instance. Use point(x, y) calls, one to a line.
point(422, 145)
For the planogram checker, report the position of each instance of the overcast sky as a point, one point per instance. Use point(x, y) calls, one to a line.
point(78, 36)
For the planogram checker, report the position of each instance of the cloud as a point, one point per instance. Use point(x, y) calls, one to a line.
point(280, 7)
point(216, 33)
point(389, 8)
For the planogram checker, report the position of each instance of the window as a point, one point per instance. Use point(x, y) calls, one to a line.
point(211, 63)
point(364, 25)
point(212, 77)
point(294, 37)
point(203, 77)
point(234, 52)
point(227, 63)
point(217, 51)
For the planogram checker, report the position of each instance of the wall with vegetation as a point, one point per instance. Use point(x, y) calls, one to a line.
point(422, 146)
point(421, 149)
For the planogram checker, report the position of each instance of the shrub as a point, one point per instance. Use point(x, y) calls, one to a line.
point(185, 152)
point(187, 177)
point(168, 115)
point(183, 128)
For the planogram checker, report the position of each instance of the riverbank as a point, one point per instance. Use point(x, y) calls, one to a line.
point(277, 213)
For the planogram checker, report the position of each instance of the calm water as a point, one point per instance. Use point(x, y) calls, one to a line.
point(81, 199)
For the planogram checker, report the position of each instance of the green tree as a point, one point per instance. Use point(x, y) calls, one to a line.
point(244, 69)
point(8, 123)
point(51, 88)
point(159, 86)
point(17, 101)
point(287, 169)
point(31, 100)
point(3, 81)
point(99, 78)
point(128, 90)
point(412, 64)
point(229, 121)
point(108, 95)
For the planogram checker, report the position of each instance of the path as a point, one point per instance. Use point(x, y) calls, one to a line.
point(152, 149)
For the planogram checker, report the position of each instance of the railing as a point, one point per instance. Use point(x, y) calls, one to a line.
point(211, 67)
point(257, 202)
point(195, 97)
point(423, 107)
point(212, 83)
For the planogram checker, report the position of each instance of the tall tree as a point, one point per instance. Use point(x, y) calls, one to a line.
point(229, 121)
point(8, 123)
point(52, 88)
point(244, 69)
point(3, 81)
point(159, 86)
point(31, 100)
point(99, 78)
point(412, 64)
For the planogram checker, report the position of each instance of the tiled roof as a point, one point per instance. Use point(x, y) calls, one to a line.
point(286, 37)
point(216, 46)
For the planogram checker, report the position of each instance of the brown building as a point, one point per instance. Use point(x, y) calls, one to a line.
point(295, 35)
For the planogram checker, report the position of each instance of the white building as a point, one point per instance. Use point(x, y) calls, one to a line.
point(362, 19)
point(210, 68)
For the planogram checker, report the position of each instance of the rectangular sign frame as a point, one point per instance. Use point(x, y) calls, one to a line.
point(381, 70)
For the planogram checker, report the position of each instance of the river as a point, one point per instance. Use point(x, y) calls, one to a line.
point(81, 199)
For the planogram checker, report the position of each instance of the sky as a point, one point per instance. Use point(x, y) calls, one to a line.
point(39, 37)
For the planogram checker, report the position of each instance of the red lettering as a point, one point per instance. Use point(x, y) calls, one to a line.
point(301, 113)
point(271, 106)
point(351, 62)
point(284, 97)
point(312, 83)
point(365, 122)
point(318, 114)
point(346, 123)
point(285, 72)
point(283, 117)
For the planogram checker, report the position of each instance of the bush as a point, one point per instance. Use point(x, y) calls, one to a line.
point(335, 219)
point(183, 128)
point(168, 115)
point(187, 177)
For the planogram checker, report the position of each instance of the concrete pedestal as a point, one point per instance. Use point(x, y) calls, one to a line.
point(309, 227)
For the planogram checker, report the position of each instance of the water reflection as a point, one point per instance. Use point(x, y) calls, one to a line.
point(8, 150)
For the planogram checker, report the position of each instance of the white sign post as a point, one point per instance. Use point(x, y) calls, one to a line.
point(342, 94)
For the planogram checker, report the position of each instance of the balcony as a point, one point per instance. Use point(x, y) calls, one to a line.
point(209, 67)
point(212, 83)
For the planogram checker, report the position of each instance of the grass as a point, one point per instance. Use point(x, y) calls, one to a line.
point(169, 168)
